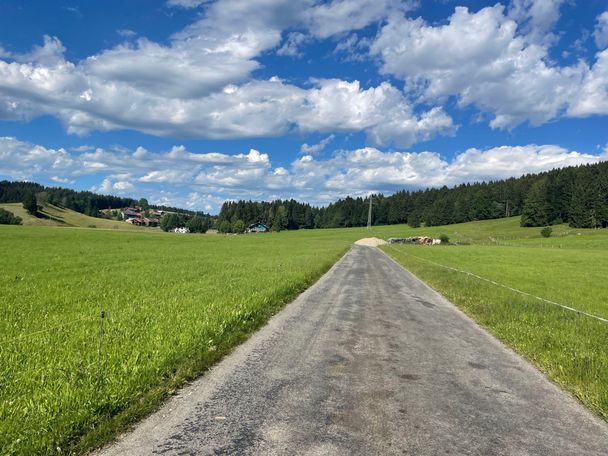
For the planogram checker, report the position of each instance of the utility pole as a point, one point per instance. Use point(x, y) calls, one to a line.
point(369, 214)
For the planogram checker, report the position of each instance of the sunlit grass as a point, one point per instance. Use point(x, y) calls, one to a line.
point(175, 304)
point(571, 348)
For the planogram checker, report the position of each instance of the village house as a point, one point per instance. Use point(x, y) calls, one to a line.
point(144, 221)
point(132, 213)
point(257, 228)
point(136, 216)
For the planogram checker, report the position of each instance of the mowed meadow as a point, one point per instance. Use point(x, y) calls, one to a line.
point(175, 304)
point(569, 269)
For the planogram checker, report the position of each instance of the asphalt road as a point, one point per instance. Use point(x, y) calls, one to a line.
point(370, 361)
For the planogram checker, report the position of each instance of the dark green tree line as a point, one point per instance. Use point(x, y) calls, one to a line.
point(574, 195)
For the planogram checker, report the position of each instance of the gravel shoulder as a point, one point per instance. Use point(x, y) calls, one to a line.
point(371, 242)
point(369, 360)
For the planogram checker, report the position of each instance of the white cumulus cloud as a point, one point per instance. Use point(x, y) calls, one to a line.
point(186, 4)
point(482, 59)
point(202, 82)
point(204, 180)
point(174, 91)
point(600, 34)
point(316, 148)
point(537, 18)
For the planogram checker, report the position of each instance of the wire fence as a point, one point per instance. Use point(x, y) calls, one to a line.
point(507, 287)
point(42, 331)
point(4, 344)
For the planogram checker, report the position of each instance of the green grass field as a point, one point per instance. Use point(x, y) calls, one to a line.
point(570, 270)
point(175, 304)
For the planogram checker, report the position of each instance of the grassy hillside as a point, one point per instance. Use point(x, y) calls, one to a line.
point(55, 216)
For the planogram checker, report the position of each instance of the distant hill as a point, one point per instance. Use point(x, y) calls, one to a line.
point(51, 215)
point(85, 202)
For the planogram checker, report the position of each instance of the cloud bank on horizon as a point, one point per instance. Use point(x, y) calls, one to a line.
point(366, 86)
point(214, 177)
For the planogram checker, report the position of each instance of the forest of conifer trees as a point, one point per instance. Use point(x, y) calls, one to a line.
point(575, 195)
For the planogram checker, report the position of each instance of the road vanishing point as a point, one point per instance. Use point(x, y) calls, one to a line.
point(369, 361)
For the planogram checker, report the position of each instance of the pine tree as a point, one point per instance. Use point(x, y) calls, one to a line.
point(581, 214)
point(413, 220)
point(30, 204)
point(280, 219)
point(536, 207)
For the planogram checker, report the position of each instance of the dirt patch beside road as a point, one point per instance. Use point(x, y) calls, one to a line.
point(371, 242)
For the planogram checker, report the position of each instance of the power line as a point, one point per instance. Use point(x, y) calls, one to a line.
point(369, 214)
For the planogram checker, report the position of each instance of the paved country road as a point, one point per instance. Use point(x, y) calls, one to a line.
point(370, 361)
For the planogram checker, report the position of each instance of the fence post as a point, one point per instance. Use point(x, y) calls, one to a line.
point(101, 334)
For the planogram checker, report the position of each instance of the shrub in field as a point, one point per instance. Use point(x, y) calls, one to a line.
point(198, 224)
point(224, 227)
point(546, 232)
point(444, 238)
point(239, 226)
point(8, 218)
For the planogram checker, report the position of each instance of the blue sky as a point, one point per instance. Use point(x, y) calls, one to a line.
point(192, 103)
